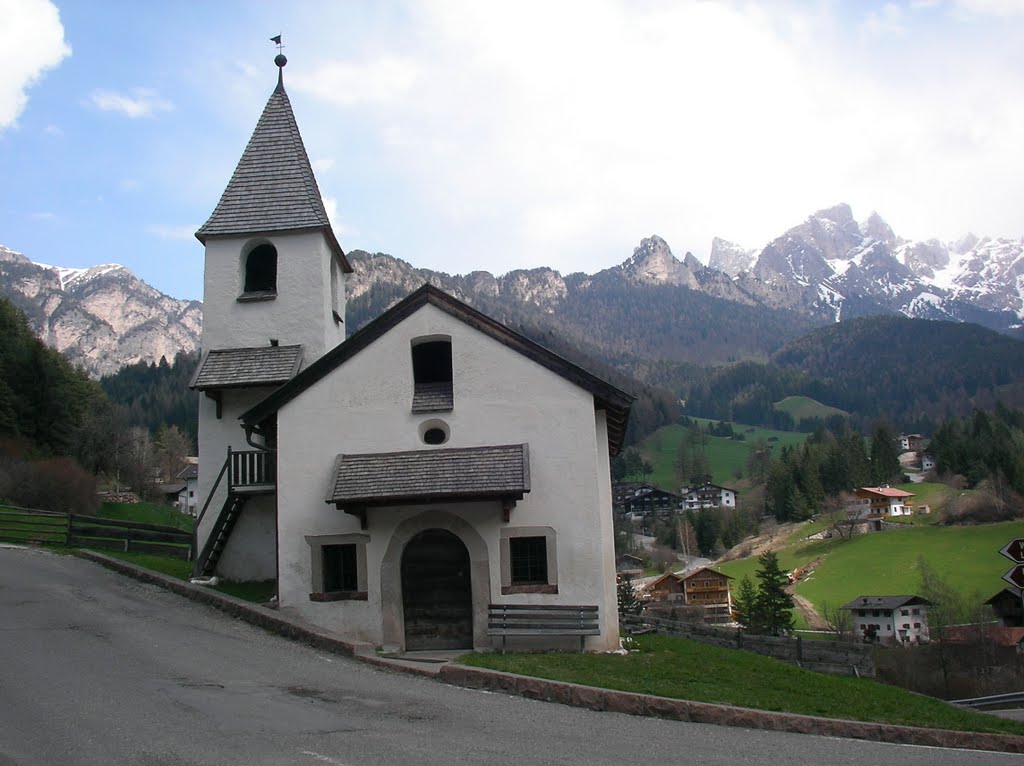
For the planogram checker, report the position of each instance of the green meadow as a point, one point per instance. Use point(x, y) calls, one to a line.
point(726, 457)
point(885, 563)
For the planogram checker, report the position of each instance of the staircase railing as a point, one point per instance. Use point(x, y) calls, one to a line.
point(251, 468)
point(209, 498)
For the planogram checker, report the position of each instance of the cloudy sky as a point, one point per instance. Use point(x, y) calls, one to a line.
point(462, 135)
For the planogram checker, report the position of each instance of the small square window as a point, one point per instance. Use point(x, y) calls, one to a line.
point(340, 568)
point(904, 612)
point(529, 560)
point(917, 626)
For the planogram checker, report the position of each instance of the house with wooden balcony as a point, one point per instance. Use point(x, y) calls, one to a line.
point(708, 496)
point(881, 502)
point(712, 590)
point(704, 587)
point(402, 481)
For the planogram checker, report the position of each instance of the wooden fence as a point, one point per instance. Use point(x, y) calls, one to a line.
point(35, 527)
point(839, 657)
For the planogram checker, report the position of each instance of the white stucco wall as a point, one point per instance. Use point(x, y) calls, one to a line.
point(249, 554)
point(891, 622)
point(300, 314)
point(501, 397)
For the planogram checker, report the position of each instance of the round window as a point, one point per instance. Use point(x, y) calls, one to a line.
point(435, 436)
point(434, 432)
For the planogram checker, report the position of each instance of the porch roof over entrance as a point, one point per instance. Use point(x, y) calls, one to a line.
point(424, 476)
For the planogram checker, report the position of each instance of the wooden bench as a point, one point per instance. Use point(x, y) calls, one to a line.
point(541, 620)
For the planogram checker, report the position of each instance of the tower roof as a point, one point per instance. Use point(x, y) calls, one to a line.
point(273, 187)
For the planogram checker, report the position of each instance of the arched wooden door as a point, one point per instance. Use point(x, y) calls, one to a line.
point(437, 598)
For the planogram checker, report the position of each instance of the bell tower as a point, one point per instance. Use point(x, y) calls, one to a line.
point(274, 268)
point(273, 303)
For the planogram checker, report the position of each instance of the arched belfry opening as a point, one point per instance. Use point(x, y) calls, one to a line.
point(437, 595)
point(261, 269)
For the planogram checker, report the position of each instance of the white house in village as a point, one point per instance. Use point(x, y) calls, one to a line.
point(880, 502)
point(397, 482)
point(889, 619)
point(187, 495)
point(708, 496)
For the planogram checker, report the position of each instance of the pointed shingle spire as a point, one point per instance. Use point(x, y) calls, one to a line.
point(273, 187)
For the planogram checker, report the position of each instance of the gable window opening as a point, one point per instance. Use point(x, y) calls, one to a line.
point(261, 271)
point(432, 375)
point(528, 560)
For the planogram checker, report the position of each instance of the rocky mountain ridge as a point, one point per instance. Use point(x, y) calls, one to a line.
point(828, 268)
point(101, 318)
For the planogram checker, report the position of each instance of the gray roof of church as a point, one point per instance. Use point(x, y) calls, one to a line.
point(245, 367)
point(273, 187)
point(393, 478)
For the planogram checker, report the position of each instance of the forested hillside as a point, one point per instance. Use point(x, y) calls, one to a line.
point(157, 395)
point(43, 398)
point(911, 372)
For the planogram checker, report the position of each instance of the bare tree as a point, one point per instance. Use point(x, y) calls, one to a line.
point(838, 621)
point(172, 448)
point(137, 463)
point(843, 515)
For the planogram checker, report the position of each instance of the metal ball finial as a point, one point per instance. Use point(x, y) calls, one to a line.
point(280, 60)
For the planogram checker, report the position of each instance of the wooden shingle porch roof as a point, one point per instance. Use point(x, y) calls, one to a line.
point(246, 367)
point(416, 476)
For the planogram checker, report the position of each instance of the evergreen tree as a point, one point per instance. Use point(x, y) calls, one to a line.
point(745, 604)
point(773, 606)
point(885, 457)
point(629, 604)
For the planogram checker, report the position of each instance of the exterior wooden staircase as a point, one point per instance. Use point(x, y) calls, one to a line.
point(249, 472)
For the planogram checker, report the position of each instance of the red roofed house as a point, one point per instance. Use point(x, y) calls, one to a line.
point(879, 502)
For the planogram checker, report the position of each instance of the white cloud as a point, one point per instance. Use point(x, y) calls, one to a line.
point(164, 231)
point(53, 130)
point(128, 184)
point(322, 164)
point(44, 215)
point(888, 20)
point(138, 102)
point(570, 139)
point(33, 43)
point(1002, 8)
point(379, 80)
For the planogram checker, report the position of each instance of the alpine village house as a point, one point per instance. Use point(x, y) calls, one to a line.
point(398, 482)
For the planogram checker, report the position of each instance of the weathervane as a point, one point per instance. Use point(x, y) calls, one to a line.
point(280, 60)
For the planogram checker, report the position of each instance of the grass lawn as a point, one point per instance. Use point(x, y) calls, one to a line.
point(683, 669)
point(172, 567)
point(147, 513)
point(801, 407)
point(885, 563)
point(33, 529)
point(727, 457)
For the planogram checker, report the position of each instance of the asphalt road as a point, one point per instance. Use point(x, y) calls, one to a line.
point(99, 669)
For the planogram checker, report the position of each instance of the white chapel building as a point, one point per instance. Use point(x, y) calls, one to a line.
point(399, 481)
